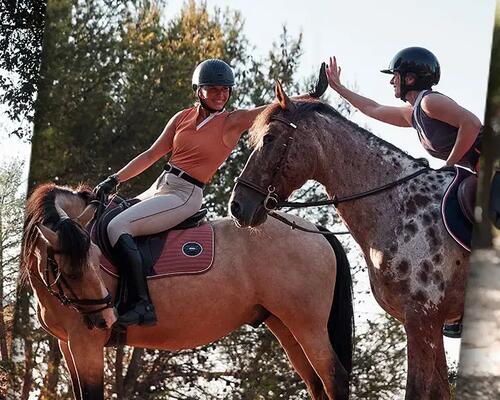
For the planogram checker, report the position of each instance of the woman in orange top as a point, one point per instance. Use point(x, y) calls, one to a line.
point(200, 139)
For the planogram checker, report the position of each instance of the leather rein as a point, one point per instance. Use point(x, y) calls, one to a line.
point(273, 202)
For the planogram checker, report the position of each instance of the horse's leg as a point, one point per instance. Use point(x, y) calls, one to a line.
point(427, 371)
point(297, 357)
point(315, 341)
point(88, 357)
point(71, 368)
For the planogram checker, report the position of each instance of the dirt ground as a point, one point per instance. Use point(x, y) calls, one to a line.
point(479, 366)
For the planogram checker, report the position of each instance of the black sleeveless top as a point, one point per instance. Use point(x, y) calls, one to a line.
point(438, 137)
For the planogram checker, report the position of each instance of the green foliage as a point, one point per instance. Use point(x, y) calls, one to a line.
point(21, 30)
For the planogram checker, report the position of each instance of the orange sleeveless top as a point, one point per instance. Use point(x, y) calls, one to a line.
point(200, 151)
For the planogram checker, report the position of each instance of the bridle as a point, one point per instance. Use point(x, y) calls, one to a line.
point(273, 202)
point(58, 286)
point(61, 283)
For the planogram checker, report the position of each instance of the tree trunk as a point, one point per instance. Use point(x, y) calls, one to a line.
point(28, 367)
point(4, 354)
point(52, 377)
point(119, 373)
point(134, 367)
point(482, 237)
point(22, 333)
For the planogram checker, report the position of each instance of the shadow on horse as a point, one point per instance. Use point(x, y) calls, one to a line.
point(417, 271)
point(298, 284)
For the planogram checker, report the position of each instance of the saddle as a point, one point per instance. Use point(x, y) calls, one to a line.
point(457, 206)
point(152, 247)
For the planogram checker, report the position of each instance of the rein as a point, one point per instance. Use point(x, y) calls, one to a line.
point(272, 202)
point(337, 200)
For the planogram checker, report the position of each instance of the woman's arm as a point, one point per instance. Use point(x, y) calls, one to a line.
point(161, 147)
point(445, 109)
point(399, 116)
point(240, 121)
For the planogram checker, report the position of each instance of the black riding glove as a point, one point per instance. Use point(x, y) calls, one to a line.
point(107, 186)
point(321, 83)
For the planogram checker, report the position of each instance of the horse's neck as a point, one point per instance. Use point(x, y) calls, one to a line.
point(353, 161)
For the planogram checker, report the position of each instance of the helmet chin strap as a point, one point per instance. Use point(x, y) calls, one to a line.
point(206, 106)
point(403, 87)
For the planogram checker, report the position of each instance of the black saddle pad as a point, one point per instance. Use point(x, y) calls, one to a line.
point(456, 222)
point(150, 246)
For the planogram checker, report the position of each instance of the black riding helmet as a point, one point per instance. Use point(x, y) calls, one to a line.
point(212, 72)
point(418, 61)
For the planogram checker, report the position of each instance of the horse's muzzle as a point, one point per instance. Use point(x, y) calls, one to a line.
point(247, 208)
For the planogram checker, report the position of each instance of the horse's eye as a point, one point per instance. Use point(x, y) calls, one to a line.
point(268, 138)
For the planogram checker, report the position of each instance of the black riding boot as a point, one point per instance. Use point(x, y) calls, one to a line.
point(128, 257)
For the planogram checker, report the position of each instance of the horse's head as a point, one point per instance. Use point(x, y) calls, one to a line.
point(284, 158)
point(58, 252)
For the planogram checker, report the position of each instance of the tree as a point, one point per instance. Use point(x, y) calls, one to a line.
point(21, 31)
point(490, 158)
point(11, 224)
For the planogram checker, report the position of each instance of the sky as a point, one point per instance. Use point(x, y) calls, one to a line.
point(364, 36)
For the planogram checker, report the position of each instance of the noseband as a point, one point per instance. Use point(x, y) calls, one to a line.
point(271, 201)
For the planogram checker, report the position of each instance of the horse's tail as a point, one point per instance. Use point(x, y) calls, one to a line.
point(341, 319)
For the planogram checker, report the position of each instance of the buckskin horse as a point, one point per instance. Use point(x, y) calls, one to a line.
point(299, 285)
point(417, 271)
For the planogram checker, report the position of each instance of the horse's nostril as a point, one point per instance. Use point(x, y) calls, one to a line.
point(235, 208)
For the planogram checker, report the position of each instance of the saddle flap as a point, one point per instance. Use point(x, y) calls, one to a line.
point(467, 196)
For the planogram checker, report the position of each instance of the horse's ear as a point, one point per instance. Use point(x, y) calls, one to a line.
point(283, 100)
point(48, 235)
point(87, 214)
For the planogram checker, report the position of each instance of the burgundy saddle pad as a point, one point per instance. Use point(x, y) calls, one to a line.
point(186, 251)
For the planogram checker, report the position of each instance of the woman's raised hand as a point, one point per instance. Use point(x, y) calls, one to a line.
point(333, 74)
